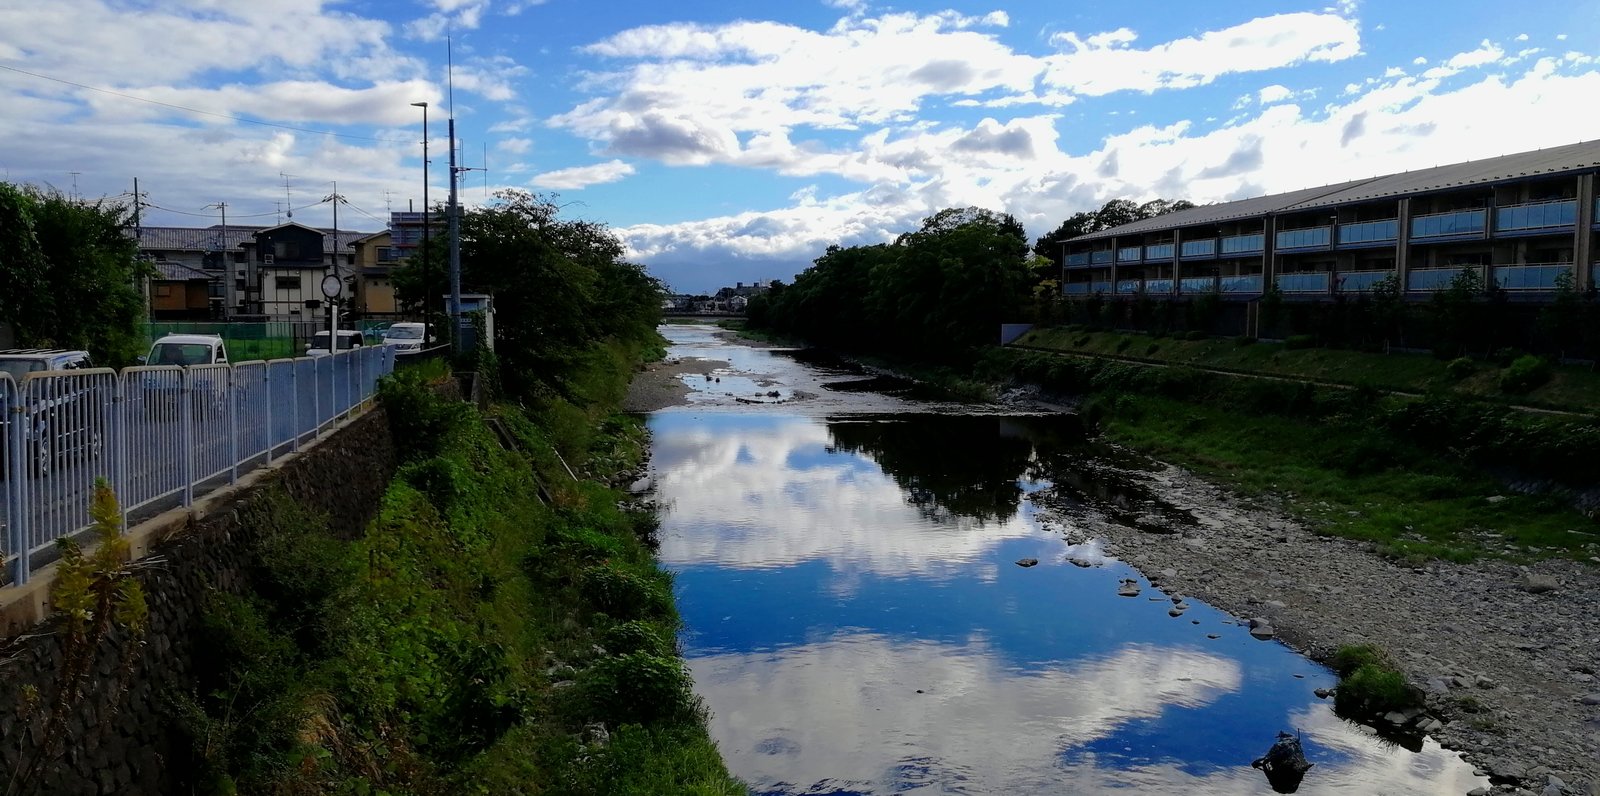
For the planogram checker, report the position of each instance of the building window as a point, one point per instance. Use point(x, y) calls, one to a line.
point(286, 282)
point(163, 291)
point(286, 249)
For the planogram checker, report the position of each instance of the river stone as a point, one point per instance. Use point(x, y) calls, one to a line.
point(1027, 562)
point(1323, 693)
point(1483, 682)
point(1478, 792)
point(1263, 632)
point(1175, 612)
point(641, 485)
point(1539, 584)
point(1591, 699)
point(1437, 685)
point(1395, 717)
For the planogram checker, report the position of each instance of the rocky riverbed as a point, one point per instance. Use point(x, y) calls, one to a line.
point(1507, 654)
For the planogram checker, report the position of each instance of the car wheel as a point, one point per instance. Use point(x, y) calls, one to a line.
point(43, 455)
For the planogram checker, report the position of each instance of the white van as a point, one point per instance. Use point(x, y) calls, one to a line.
point(187, 349)
point(318, 347)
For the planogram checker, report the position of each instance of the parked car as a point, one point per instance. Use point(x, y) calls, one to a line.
point(406, 338)
point(188, 349)
point(57, 425)
point(348, 340)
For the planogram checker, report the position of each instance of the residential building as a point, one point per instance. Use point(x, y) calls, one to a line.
point(376, 257)
point(242, 276)
point(180, 292)
point(1520, 221)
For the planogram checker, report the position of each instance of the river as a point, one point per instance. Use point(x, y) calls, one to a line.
point(857, 623)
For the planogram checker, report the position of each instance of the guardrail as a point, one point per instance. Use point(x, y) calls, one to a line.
point(160, 435)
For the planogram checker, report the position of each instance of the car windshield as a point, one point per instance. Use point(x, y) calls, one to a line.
point(347, 341)
point(404, 333)
point(180, 354)
point(17, 368)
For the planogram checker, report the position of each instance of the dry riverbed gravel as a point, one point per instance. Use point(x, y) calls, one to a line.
point(1508, 654)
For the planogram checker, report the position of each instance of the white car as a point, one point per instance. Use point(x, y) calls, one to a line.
point(405, 338)
point(188, 349)
point(348, 340)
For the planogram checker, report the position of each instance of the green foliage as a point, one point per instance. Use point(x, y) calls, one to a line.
point(622, 593)
point(1457, 313)
point(560, 287)
point(1350, 657)
point(1374, 689)
point(1524, 374)
point(1461, 367)
point(69, 274)
point(638, 687)
point(1300, 341)
point(419, 421)
point(636, 636)
point(937, 292)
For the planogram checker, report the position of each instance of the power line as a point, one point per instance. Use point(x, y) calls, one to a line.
point(187, 109)
point(237, 215)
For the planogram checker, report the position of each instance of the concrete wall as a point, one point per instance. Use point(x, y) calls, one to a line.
point(126, 742)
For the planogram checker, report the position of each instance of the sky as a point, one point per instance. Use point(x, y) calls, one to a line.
point(733, 142)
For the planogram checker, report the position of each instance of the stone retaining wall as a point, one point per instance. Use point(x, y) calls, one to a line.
point(124, 741)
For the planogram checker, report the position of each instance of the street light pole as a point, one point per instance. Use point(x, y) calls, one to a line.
point(427, 220)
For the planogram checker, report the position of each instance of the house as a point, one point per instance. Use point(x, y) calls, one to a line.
point(285, 266)
point(233, 261)
point(180, 292)
point(1524, 223)
point(376, 257)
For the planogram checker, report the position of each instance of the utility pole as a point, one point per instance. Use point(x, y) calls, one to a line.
point(333, 307)
point(455, 211)
point(427, 223)
point(229, 292)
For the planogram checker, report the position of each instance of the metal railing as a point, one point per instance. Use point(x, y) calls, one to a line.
point(1304, 282)
point(1530, 276)
point(1359, 281)
point(159, 435)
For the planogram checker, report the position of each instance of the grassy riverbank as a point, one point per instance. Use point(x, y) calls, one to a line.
point(502, 627)
point(1410, 475)
point(1574, 388)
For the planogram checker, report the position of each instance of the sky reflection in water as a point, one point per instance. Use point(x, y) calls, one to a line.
point(856, 624)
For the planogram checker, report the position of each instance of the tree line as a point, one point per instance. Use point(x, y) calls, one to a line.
point(70, 274)
point(561, 289)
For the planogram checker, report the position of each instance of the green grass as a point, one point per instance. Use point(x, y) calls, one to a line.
point(1351, 483)
point(1571, 387)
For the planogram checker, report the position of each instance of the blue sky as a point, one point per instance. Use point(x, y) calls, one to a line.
point(734, 141)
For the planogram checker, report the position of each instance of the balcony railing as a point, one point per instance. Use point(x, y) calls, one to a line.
point(1250, 283)
point(1439, 225)
point(1308, 238)
point(1360, 281)
point(1158, 286)
point(1160, 251)
point(1086, 288)
point(1436, 278)
point(1197, 284)
point(1129, 254)
point(1128, 286)
point(1244, 244)
point(1316, 282)
point(1077, 260)
point(1536, 215)
point(1534, 276)
point(1101, 257)
point(1200, 248)
point(1369, 232)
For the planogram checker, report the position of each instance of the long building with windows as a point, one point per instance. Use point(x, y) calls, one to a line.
point(1525, 222)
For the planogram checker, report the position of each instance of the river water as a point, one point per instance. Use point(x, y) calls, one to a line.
point(856, 622)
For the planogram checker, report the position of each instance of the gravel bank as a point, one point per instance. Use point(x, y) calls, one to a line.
point(658, 386)
point(1508, 654)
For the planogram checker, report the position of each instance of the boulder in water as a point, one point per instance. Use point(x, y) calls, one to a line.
point(1284, 764)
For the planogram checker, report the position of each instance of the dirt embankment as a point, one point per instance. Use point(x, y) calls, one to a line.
point(1508, 654)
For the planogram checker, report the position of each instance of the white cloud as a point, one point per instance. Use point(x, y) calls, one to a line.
point(1104, 64)
point(579, 177)
point(1273, 94)
point(1522, 37)
point(516, 146)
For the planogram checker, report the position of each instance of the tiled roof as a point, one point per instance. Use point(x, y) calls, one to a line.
point(210, 238)
point(178, 272)
point(1540, 162)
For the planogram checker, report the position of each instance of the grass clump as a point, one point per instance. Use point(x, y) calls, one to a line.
point(1370, 685)
point(1524, 374)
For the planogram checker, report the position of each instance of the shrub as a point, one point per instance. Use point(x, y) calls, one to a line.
point(1351, 657)
point(638, 687)
point(1505, 356)
point(1460, 368)
point(636, 636)
point(1195, 334)
point(1150, 350)
point(1299, 341)
point(1526, 373)
point(1374, 690)
point(624, 594)
point(1122, 345)
point(1244, 340)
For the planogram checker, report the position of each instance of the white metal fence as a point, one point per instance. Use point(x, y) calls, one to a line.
point(159, 435)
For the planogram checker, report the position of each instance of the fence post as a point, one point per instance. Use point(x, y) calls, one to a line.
point(118, 445)
point(233, 393)
point(294, 404)
point(16, 477)
point(186, 431)
point(266, 389)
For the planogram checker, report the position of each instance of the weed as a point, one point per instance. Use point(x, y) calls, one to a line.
point(1524, 374)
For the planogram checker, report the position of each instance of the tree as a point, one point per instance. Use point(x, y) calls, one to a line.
point(1389, 310)
point(1114, 213)
point(1457, 313)
point(561, 287)
point(70, 274)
